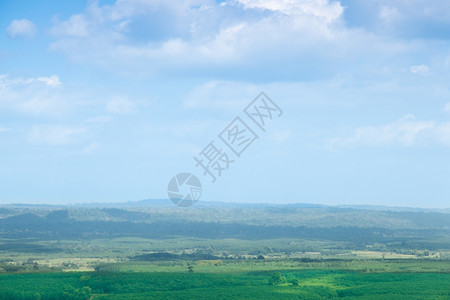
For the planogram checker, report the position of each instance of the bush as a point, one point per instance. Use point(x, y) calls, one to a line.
point(295, 282)
point(276, 279)
point(71, 293)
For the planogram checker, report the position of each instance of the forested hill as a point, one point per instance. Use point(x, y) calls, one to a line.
point(307, 215)
point(357, 226)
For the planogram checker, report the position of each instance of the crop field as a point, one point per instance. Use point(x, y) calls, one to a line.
point(275, 284)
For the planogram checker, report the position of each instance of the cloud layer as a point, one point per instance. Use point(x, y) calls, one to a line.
point(204, 37)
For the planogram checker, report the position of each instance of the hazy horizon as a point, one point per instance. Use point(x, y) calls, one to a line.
point(160, 201)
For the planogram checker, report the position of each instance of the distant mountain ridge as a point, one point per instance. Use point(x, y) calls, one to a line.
point(160, 203)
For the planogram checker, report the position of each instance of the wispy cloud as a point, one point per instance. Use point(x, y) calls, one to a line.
point(91, 148)
point(221, 94)
point(75, 26)
point(4, 129)
point(281, 136)
point(120, 105)
point(52, 81)
point(420, 70)
point(7, 81)
point(389, 14)
point(55, 135)
point(404, 132)
point(405, 19)
point(38, 96)
point(21, 28)
point(328, 11)
point(99, 119)
point(447, 107)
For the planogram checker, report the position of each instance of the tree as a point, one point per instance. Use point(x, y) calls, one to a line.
point(295, 282)
point(191, 269)
point(276, 279)
point(71, 293)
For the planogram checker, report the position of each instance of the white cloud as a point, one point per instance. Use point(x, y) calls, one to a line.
point(245, 37)
point(91, 147)
point(447, 107)
point(183, 129)
point(75, 26)
point(420, 69)
point(221, 94)
point(6, 81)
point(120, 106)
point(323, 9)
point(202, 35)
point(55, 135)
point(281, 135)
point(21, 28)
point(443, 133)
point(404, 132)
point(41, 104)
point(32, 95)
point(99, 119)
point(4, 129)
point(52, 81)
point(406, 19)
point(389, 14)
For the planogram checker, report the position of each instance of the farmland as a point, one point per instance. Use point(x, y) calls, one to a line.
point(237, 283)
point(241, 253)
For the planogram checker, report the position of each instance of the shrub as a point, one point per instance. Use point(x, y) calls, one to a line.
point(276, 279)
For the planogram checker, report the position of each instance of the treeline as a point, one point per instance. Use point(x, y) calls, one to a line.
point(60, 226)
point(255, 215)
point(163, 256)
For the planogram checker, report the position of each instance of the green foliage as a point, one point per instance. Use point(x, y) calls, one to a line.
point(295, 282)
point(388, 230)
point(306, 253)
point(276, 279)
point(315, 284)
point(71, 293)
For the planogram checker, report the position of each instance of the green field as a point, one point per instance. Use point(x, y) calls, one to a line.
point(306, 284)
point(239, 279)
point(235, 253)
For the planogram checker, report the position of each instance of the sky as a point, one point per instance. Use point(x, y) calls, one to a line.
point(106, 101)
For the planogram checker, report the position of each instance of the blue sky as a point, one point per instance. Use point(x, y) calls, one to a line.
point(107, 100)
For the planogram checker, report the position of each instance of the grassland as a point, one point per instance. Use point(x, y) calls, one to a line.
point(295, 284)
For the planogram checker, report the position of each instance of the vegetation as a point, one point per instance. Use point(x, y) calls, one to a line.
point(223, 253)
point(310, 284)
